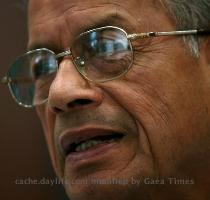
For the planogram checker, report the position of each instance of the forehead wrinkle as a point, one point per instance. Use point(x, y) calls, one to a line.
point(78, 18)
point(72, 25)
point(60, 23)
point(49, 8)
point(114, 12)
point(50, 13)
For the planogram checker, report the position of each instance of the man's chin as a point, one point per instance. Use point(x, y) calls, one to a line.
point(107, 180)
point(98, 188)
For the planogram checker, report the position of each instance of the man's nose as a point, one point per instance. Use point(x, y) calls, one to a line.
point(69, 90)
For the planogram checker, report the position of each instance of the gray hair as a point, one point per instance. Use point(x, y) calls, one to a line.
point(190, 14)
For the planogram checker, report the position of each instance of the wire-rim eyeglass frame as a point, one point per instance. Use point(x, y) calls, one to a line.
point(130, 37)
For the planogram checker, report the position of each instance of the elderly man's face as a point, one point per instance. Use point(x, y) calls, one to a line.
point(152, 122)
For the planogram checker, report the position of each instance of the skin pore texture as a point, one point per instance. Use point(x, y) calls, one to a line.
point(161, 105)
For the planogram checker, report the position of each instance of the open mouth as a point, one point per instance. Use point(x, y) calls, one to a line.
point(84, 141)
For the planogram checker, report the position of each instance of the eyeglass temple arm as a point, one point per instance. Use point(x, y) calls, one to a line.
point(171, 33)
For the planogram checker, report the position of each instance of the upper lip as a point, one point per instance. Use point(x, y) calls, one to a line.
point(69, 137)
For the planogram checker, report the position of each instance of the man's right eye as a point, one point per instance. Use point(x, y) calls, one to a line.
point(41, 67)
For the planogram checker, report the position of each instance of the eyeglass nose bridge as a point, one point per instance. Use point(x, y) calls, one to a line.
point(68, 53)
point(63, 54)
point(81, 62)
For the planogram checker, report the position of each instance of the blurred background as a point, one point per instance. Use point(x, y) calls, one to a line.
point(23, 152)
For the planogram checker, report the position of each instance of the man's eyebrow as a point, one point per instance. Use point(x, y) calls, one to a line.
point(112, 19)
point(42, 45)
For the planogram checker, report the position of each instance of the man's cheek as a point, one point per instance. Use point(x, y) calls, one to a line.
point(134, 97)
point(47, 119)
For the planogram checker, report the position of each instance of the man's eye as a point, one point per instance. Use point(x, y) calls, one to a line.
point(42, 67)
point(108, 47)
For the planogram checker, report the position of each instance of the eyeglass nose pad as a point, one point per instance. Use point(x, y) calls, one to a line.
point(80, 62)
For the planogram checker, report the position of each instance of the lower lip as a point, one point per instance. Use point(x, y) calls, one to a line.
point(92, 154)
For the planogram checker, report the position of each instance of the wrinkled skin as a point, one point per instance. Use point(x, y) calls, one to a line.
point(162, 103)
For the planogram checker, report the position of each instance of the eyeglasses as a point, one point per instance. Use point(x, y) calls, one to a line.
point(100, 55)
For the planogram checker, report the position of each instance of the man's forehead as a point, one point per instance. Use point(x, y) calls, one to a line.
point(57, 5)
point(72, 17)
point(40, 3)
point(48, 9)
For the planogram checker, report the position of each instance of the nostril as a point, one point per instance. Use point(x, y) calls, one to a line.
point(57, 110)
point(79, 103)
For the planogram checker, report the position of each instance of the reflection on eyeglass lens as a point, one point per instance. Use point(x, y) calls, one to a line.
point(99, 55)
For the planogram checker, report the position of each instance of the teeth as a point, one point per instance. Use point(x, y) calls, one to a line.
point(90, 143)
point(83, 146)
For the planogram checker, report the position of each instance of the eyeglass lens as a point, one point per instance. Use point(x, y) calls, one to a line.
point(31, 76)
point(99, 55)
point(103, 54)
